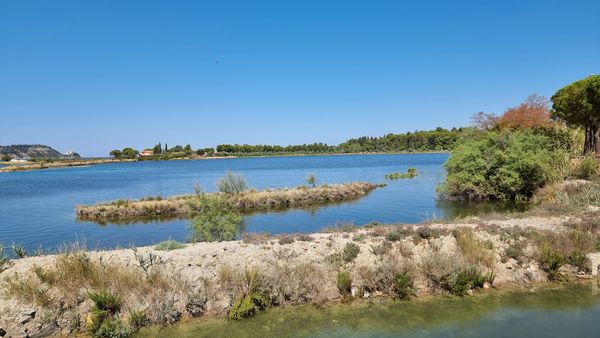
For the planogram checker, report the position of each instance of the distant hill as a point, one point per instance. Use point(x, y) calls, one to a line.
point(26, 151)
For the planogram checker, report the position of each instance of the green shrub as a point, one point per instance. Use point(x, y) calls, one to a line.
point(286, 239)
point(215, 226)
point(344, 283)
point(578, 259)
point(460, 281)
point(507, 165)
point(19, 250)
point(426, 232)
point(106, 301)
point(394, 236)
point(588, 168)
point(351, 251)
point(551, 261)
point(137, 319)
point(403, 285)
point(232, 183)
point(169, 245)
point(247, 305)
point(112, 328)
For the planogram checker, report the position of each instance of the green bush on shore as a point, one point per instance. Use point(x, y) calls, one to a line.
point(508, 165)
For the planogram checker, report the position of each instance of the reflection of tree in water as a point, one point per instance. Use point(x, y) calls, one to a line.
point(454, 209)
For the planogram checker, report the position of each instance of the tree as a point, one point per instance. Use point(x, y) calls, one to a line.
point(484, 121)
point(578, 104)
point(533, 113)
point(157, 150)
point(129, 153)
point(116, 153)
point(312, 179)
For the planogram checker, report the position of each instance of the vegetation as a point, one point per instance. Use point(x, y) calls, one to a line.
point(460, 281)
point(169, 245)
point(579, 105)
point(232, 184)
point(351, 251)
point(411, 173)
point(312, 180)
point(246, 201)
point(403, 285)
point(344, 283)
point(507, 165)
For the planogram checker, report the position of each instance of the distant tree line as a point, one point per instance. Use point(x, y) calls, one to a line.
point(439, 139)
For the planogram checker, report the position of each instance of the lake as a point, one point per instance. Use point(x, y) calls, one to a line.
point(37, 207)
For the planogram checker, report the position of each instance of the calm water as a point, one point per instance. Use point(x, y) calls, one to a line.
point(37, 207)
point(569, 312)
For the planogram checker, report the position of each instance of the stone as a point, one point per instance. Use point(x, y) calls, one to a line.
point(486, 285)
point(2, 332)
point(24, 319)
point(594, 259)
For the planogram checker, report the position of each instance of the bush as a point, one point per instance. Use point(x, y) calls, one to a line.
point(426, 232)
point(475, 250)
point(169, 245)
point(460, 281)
point(344, 283)
point(103, 323)
point(247, 305)
point(112, 328)
point(232, 183)
point(137, 319)
point(19, 250)
point(351, 251)
point(393, 236)
point(403, 285)
point(588, 168)
point(506, 165)
point(106, 301)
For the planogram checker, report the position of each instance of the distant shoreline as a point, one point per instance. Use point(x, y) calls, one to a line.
point(96, 161)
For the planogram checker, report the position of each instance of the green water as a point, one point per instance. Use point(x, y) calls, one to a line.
point(572, 311)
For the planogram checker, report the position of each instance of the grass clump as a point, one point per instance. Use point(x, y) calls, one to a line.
point(351, 251)
point(460, 281)
point(169, 245)
point(19, 250)
point(103, 320)
point(137, 319)
point(286, 239)
point(426, 232)
point(474, 250)
point(344, 283)
point(251, 292)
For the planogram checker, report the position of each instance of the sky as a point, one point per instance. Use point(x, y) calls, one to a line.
point(99, 75)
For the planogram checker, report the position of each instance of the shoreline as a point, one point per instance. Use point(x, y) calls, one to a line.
point(83, 163)
point(206, 279)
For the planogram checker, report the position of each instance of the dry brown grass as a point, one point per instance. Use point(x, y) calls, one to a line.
point(475, 250)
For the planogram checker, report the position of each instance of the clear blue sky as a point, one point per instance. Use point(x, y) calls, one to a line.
point(98, 75)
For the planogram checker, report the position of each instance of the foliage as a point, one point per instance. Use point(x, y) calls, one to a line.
point(588, 168)
point(506, 165)
point(533, 113)
point(344, 283)
point(312, 180)
point(232, 183)
point(579, 105)
point(461, 280)
point(439, 139)
point(351, 251)
point(411, 173)
point(19, 250)
point(137, 319)
point(403, 285)
point(103, 320)
point(216, 221)
point(126, 153)
point(248, 305)
point(169, 245)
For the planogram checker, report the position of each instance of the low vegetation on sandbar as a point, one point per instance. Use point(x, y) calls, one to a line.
point(233, 194)
point(410, 173)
